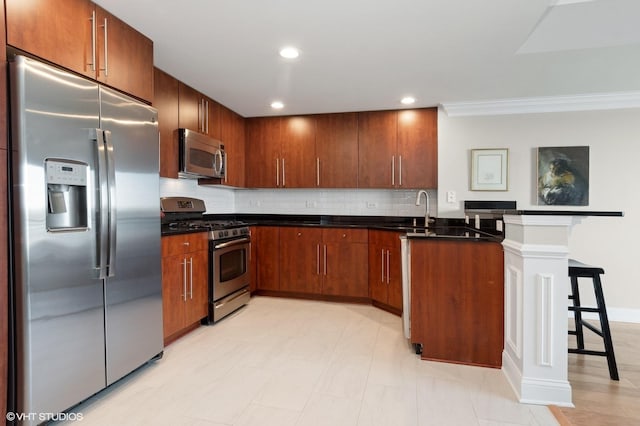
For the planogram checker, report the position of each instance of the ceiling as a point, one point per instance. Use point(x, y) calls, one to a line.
point(361, 55)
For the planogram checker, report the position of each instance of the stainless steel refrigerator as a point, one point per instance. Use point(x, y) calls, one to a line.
point(86, 232)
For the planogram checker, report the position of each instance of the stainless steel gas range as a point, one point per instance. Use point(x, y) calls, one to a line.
point(229, 248)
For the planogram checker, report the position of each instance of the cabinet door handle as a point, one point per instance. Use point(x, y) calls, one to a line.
point(388, 256)
point(283, 175)
point(184, 279)
point(325, 259)
point(186, 243)
point(93, 40)
point(206, 116)
point(317, 171)
point(226, 175)
point(393, 170)
point(382, 263)
point(277, 172)
point(106, 53)
point(317, 259)
point(191, 277)
point(400, 170)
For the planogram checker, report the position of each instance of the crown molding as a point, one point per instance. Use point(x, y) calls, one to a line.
point(597, 101)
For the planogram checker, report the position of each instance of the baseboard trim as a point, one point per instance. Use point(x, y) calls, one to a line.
point(535, 391)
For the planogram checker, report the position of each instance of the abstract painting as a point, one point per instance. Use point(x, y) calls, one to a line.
point(563, 176)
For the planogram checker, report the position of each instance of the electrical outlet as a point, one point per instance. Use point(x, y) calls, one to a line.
point(311, 204)
point(498, 225)
point(451, 196)
point(371, 204)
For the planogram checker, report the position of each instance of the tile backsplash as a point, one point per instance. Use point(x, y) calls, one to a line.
point(347, 202)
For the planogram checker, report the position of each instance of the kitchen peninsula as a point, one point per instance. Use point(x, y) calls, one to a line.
point(456, 299)
point(536, 253)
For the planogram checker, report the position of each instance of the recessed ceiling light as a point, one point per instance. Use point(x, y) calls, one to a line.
point(277, 105)
point(408, 100)
point(289, 52)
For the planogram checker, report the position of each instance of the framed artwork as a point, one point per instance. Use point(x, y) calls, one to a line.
point(563, 176)
point(489, 169)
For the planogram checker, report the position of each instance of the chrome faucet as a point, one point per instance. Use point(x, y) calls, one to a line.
point(426, 210)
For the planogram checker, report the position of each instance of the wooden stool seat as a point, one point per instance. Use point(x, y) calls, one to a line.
point(581, 270)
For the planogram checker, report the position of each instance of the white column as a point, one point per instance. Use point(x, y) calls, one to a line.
point(536, 282)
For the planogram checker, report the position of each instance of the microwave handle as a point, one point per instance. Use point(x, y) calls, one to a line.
point(218, 162)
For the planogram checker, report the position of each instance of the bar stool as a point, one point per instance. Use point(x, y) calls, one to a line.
point(576, 270)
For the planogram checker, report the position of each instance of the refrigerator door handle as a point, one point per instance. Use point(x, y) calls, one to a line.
point(111, 182)
point(102, 204)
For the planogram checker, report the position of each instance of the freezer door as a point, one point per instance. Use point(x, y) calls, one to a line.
point(59, 300)
point(133, 290)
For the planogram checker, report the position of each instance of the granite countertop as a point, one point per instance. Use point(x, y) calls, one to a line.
point(450, 229)
point(568, 213)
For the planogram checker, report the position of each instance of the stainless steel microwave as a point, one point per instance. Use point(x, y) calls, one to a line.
point(200, 156)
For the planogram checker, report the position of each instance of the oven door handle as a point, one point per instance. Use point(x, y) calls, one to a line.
point(240, 294)
point(231, 243)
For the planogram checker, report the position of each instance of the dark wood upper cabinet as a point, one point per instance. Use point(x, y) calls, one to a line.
point(418, 148)
point(190, 114)
point(337, 150)
point(298, 152)
point(232, 134)
point(373, 149)
point(263, 162)
point(398, 149)
point(74, 35)
point(213, 120)
point(60, 31)
point(199, 113)
point(377, 140)
point(166, 102)
point(124, 56)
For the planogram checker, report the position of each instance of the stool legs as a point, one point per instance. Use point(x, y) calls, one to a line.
point(577, 315)
point(606, 331)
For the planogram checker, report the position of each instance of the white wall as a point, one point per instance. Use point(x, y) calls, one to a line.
point(614, 140)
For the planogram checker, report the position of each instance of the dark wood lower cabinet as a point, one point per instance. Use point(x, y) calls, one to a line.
point(457, 301)
point(321, 263)
point(266, 240)
point(300, 258)
point(185, 278)
point(4, 227)
point(4, 280)
point(346, 270)
point(385, 270)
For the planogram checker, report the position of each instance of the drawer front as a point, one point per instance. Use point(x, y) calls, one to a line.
point(184, 243)
point(351, 235)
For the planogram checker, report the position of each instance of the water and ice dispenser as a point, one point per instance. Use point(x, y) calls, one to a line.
point(66, 195)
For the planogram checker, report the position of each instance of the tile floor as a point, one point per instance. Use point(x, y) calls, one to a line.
point(295, 362)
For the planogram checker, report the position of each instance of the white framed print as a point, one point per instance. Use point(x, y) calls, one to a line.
point(489, 169)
